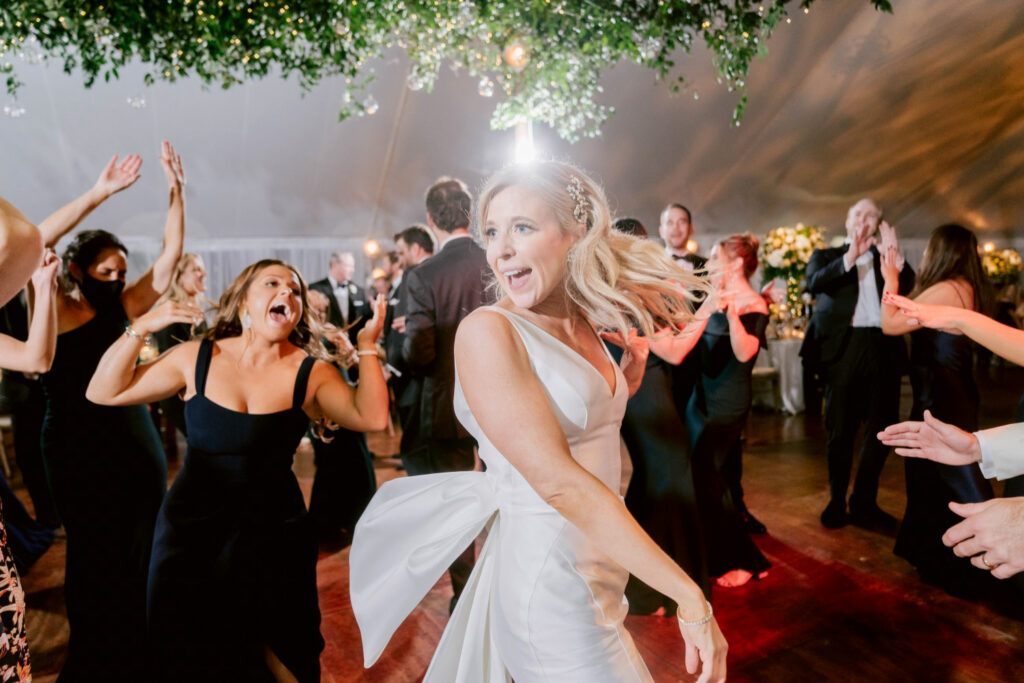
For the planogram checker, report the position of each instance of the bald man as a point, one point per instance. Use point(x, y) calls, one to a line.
point(860, 367)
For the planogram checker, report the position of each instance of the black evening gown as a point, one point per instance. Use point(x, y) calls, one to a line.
point(943, 381)
point(173, 408)
point(660, 495)
point(108, 475)
point(716, 415)
point(234, 558)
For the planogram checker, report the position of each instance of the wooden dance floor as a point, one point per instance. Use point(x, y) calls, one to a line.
point(836, 606)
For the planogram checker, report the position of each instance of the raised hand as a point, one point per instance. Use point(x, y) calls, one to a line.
point(368, 336)
point(44, 279)
point(926, 315)
point(932, 439)
point(634, 358)
point(892, 263)
point(171, 163)
point(165, 314)
point(115, 177)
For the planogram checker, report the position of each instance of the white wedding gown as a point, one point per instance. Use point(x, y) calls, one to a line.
point(542, 603)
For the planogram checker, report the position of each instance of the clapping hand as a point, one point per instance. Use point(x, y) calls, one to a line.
point(892, 263)
point(115, 177)
point(44, 279)
point(368, 336)
point(862, 241)
point(634, 358)
point(932, 439)
point(171, 163)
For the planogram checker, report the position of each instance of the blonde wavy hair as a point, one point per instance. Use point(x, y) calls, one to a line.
point(176, 292)
point(616, 280)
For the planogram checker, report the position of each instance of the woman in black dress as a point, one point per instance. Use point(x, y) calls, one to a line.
point(232, 582)
point(717, 412)
point(105, 466)
point(660, 495)
point(942, 376)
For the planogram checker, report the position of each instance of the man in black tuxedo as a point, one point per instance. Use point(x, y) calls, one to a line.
point(442, 291)
point(675, 229)
point(860, 366)
point(414, 245)
point(348, 301)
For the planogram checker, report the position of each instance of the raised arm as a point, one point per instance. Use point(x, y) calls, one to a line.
point(112, 179)
point(826, 269)
point(365, 408)
point(744, 344)
point(492, 363)
point(1002, 340)
point(673, 348)
point(119, 381)
point(35, 354)
point(139, 296)
point(21, 251)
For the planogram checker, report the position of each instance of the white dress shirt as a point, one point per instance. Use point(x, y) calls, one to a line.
point(868, 312)
point(341, 296)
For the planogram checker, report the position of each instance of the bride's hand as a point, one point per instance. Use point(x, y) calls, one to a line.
point(706, 649)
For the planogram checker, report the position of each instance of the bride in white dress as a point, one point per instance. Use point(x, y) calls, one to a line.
point(540, 393)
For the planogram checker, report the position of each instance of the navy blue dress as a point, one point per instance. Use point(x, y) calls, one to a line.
point(234, 558)
point(108, 475)
point(941, 373)
point(716, 415)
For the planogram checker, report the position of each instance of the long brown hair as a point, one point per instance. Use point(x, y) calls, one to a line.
point(308, 331)
point(952, 254)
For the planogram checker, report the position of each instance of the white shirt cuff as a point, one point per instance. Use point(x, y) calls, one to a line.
point(1002, 451)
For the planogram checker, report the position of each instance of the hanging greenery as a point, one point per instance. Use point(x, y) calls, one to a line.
point(544, 56)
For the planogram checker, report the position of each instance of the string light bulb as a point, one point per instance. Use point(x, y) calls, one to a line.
point(989, 247)
point(372, 248)
point(516, 55)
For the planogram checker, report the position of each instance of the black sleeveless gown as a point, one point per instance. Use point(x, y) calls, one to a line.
point(716, 415)
point(942, 377)
point(660, 495)
point(108, 475)
point(234, 558)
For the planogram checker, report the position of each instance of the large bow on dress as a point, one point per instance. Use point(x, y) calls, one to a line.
point(411, 532)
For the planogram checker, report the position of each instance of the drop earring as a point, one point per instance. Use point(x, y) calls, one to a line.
point(246, 320)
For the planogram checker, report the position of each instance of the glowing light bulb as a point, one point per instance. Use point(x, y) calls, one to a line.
point(691, 246)
point(372, 248)
point(989, 247)
point(516, 55)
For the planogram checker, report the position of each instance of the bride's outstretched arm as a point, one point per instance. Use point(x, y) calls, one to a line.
point(512, 408)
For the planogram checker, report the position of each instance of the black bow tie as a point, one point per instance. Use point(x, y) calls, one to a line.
point(684, 257)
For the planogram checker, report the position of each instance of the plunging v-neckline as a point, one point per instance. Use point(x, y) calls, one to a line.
point(613, 390)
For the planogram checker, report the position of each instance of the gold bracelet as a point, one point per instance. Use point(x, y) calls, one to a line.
point(700, 622)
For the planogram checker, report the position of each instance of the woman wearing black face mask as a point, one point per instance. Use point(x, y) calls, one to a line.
point(105, 465)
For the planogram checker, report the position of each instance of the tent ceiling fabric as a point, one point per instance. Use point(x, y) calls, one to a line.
point(923, 109)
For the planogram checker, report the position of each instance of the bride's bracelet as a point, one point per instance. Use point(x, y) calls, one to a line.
point(700, 622)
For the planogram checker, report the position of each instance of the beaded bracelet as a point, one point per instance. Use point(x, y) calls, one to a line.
point(700, 622)
point(129, 331)
point(367, 353)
